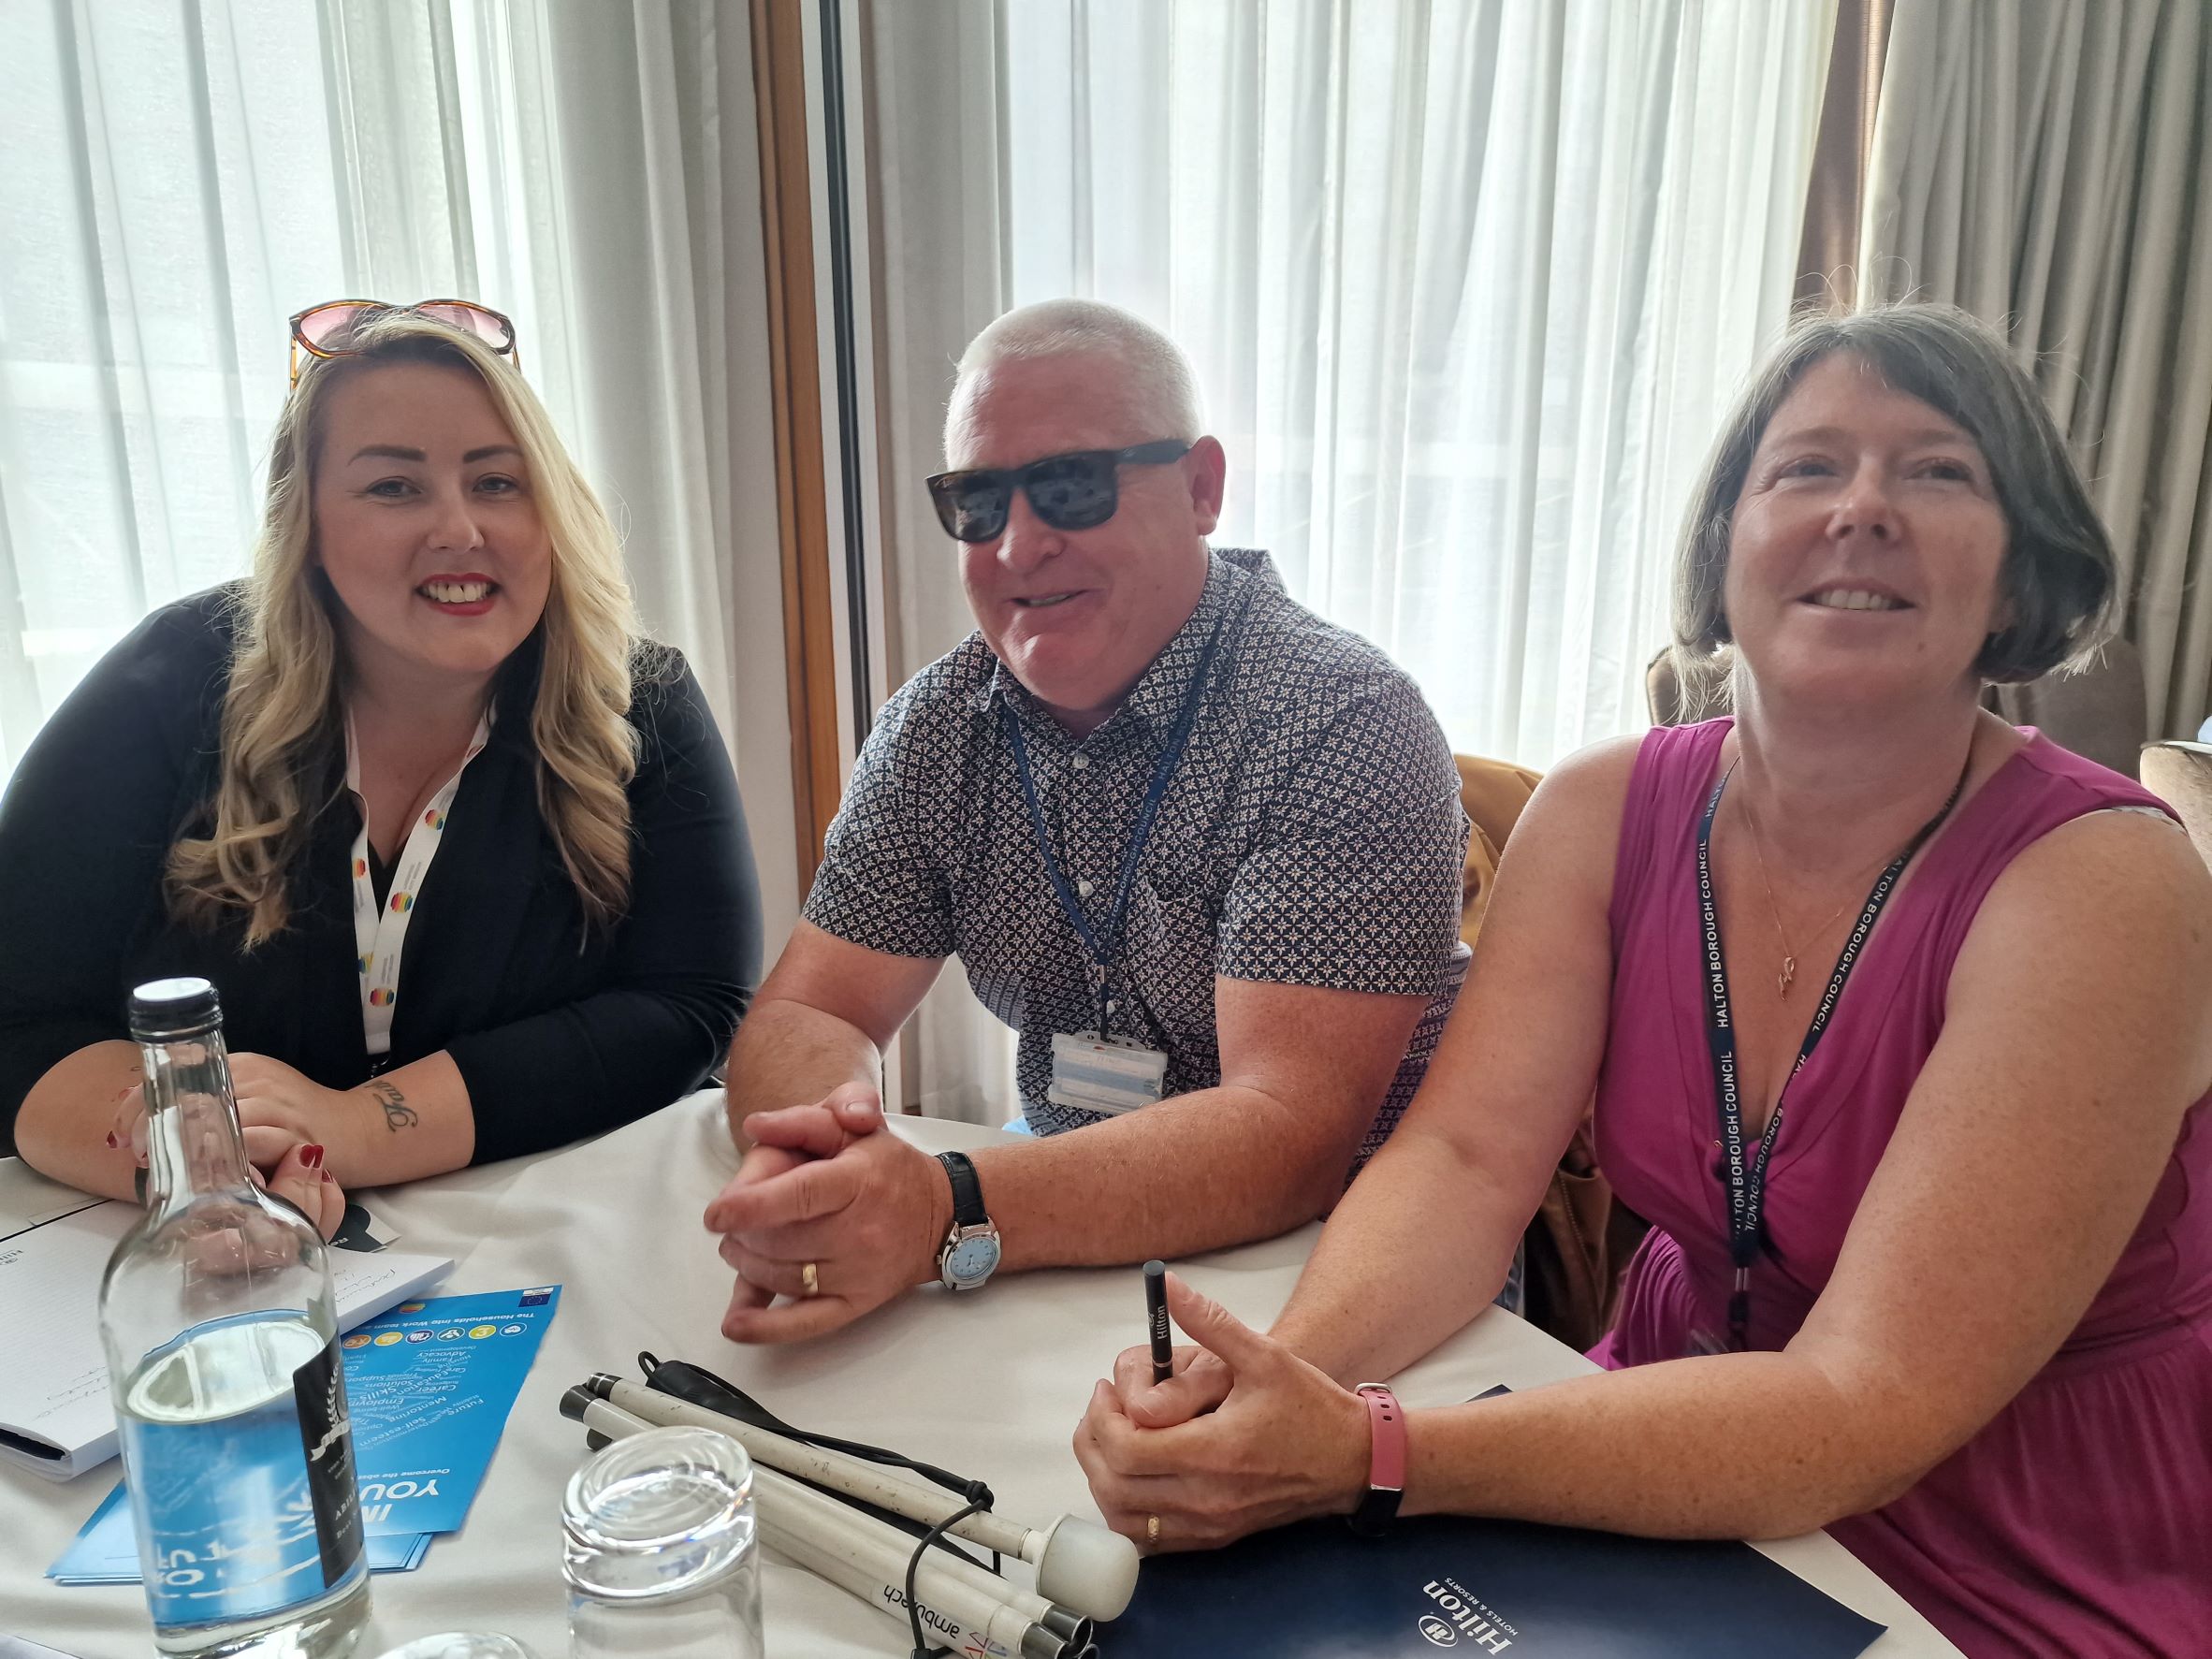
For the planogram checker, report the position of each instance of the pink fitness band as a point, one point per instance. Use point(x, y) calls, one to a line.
point(1386, 1462)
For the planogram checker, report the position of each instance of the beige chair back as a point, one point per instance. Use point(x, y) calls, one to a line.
point(2180, 775)
point(1492, 793)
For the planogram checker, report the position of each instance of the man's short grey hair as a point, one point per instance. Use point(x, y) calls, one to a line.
point(1158, 374)
point(2058, 573)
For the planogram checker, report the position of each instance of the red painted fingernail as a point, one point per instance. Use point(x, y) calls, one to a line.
point(310, 1158)
point(326, 1175)
point(113, 1145)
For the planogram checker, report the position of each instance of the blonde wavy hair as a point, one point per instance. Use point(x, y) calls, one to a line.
point(283, 723)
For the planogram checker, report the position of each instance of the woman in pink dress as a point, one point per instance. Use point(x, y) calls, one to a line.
point(1895, 1019)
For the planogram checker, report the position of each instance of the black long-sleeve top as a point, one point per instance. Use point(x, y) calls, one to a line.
point(559, 1031)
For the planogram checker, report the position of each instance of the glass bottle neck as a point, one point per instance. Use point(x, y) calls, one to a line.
point(192, 1143)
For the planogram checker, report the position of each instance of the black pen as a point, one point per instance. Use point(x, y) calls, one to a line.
point(1155, 1319)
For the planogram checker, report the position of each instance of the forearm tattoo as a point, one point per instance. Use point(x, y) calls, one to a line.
point(398, 1115)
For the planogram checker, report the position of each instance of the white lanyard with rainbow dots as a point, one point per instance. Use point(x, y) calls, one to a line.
point(380, 931)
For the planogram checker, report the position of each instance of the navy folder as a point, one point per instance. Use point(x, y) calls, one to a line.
point(1448, 1584)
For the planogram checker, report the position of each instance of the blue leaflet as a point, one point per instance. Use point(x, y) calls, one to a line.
point(107, 1551)
point(429, 1386)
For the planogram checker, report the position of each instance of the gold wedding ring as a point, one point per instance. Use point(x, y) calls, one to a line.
point(1152, 1529)
point(810, 1281)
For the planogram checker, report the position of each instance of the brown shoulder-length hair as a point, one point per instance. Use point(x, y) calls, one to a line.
point(2057, 577)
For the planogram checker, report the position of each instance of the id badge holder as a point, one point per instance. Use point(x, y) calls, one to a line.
point(1108, 1074)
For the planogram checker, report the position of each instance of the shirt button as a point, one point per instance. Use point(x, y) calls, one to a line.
point(1082, 887)
point(1080, 762)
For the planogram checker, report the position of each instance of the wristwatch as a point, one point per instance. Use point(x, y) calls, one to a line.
point(970, 1252)
point(1386, 1463)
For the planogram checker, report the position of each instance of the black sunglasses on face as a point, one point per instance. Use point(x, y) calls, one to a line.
point(1072, 491)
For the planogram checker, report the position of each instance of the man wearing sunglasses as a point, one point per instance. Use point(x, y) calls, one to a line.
point(1199, 847)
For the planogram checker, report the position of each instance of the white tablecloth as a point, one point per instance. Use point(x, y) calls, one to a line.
point(990, 1385)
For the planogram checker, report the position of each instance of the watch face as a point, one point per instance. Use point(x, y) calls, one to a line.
point(970, 1260)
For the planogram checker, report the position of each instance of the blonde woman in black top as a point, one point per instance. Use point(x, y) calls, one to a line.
point(461, 852)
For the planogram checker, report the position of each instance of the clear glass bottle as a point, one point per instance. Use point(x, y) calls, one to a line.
point(222, 1338)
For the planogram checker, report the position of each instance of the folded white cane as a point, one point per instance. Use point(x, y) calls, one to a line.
point(1080, 1564)
point(953, 1595)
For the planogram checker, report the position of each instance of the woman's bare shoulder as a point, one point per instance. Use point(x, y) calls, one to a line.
point(2120, 897)
point(1564, 846)
point(1583, 797)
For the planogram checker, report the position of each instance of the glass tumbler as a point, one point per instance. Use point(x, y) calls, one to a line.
point(660, 1551)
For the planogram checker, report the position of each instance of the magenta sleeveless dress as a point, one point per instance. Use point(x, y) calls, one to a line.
point(2078, 1522)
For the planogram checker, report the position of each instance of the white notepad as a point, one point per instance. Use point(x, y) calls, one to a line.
point(56, 1416)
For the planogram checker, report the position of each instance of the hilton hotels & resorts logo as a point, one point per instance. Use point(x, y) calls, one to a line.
point(1459, 1616)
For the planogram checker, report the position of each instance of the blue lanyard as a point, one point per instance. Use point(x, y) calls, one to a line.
point(1747, 1187)
point(1104, 946)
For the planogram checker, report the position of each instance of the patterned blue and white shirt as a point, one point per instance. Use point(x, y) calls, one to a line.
point(1312, 836)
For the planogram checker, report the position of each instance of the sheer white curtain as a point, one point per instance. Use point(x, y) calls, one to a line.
point(1467, 284)
point(181, 179)
point(166, 204)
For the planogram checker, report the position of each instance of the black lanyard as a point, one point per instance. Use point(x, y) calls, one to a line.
point(1105, 945)
point(1747, 1189)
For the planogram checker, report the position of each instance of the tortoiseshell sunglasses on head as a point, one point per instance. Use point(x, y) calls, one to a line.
point(323, 330)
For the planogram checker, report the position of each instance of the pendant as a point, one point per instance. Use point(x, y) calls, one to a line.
point(1789, 972)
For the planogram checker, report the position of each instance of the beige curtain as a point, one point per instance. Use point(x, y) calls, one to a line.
point(2047, 165)
point(935, 138)
point(1836, 199)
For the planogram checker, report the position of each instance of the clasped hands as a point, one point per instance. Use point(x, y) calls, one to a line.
point(829, 1215)
point(1243, 1436)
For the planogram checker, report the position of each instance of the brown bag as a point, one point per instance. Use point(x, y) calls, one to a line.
point(1575, 1249)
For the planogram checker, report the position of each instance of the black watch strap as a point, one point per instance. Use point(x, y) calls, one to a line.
point(967, 1192)
point(1378, 1511)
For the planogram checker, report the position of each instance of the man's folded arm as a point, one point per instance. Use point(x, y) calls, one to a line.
point(1304, 1069)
